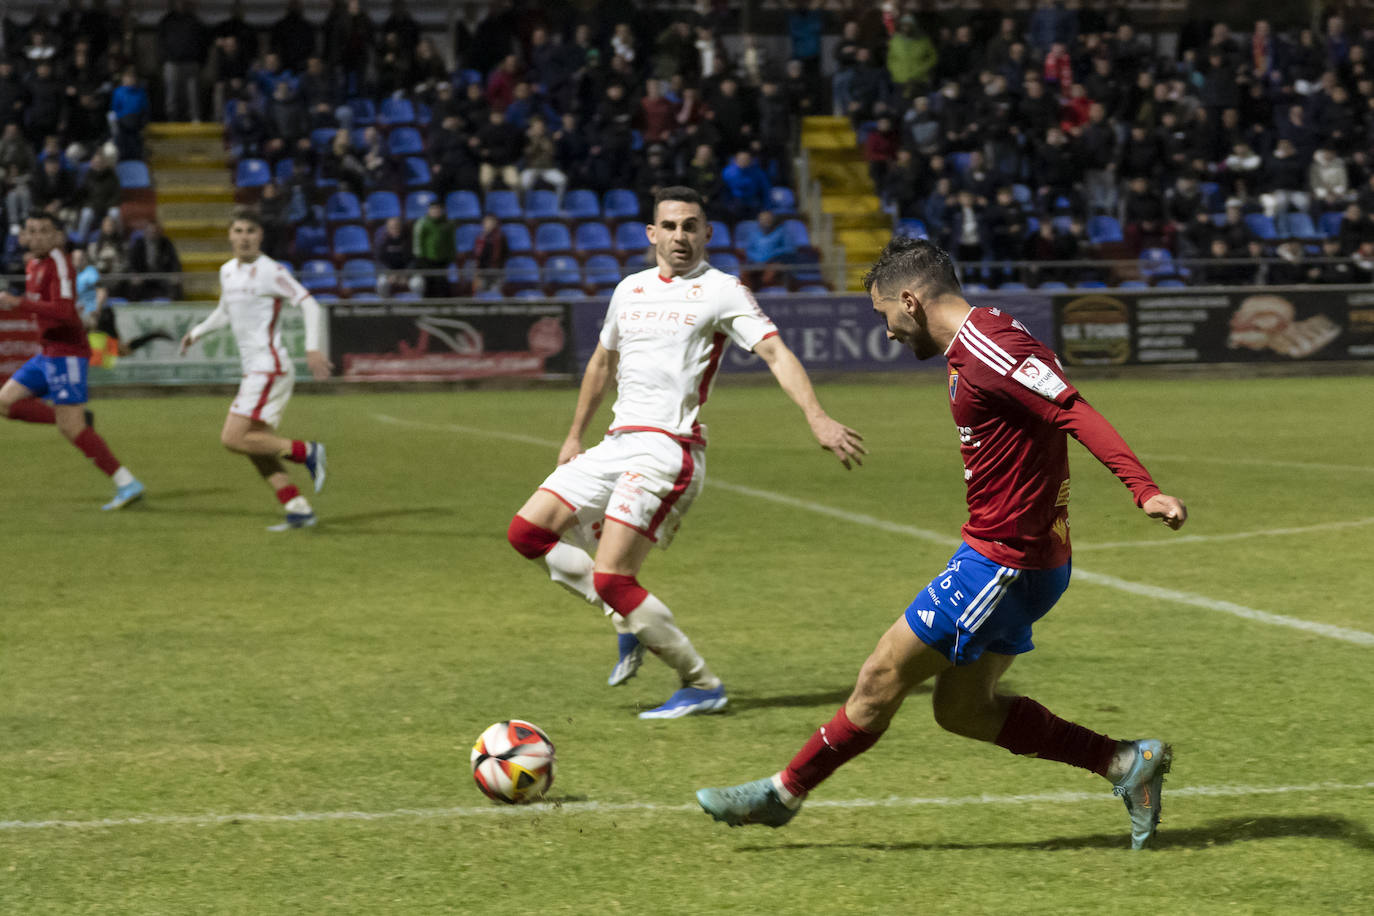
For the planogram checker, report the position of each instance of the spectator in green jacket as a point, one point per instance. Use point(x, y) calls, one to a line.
point(911, 56)
point(432, 246)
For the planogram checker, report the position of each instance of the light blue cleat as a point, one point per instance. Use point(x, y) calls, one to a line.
point(689, 701)
point(631, 657)
point(754, 802)
point(1142, 788)
point(314, 463)
point(295, 520)
point(129, 493)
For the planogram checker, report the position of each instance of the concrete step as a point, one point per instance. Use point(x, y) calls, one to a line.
point(862, 204)
point(218, 247)
point(829, 122)
point(220, 195)
point(198, 210)
point(170, 129)
point(190, 161)
point(179, 230)
point(201, 261)
point(872, 220)
point(177, 175)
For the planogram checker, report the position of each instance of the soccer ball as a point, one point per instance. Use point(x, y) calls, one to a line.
point(513, 762)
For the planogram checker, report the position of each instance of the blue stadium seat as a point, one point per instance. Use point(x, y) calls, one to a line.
point(318, 275)
point(405, 141)
point(284, 170)
point(570, 292)
point(620, 203)
point(1050, 284)
point(518, 239)
point(522, 271)
point(1013, 286)
point(773, 291)
point(581, 204)
point(1171, 282)
point(380, 206)
point(1022, 195)
point(490, 292)
point(603, 270)
point(529, 294)
point(1104, 229)
point(813, 288)
point(630, 237)
point(541, 204)
point(467, 77)
point(562, 270)
point(726, 262)
point(423, 114)
point(1261, 226)
point(1133, 284)
point(1155, 262)
point(1212, 197)
point(311, 242)
point(782, 201)
point(321, 137)
point(1091, 284)
point(960, 161)
point(415, 171)
point(746, 230)
point(364, 112)
point(797, 233)
point(591, 238)
point(552, 238)
point(357, 138)
point(351, 242)
point(912, 228)
point(342, 207)
point(504, 205)
point(975, 287)
point(463, 206)
point(357, 274)
point(1299, 225)
point(720, 237)
point(465, 237)
point(252, 173)
point(417, 202)
point(1330, 223)
point(133, 174)
point(396, 111)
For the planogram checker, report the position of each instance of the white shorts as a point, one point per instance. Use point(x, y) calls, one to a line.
point(263, 396)
point(645, 480)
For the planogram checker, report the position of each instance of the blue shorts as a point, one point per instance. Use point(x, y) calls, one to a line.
point(60, 379)
point(976, 606)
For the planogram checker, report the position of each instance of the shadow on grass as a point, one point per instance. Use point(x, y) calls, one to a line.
point(355, 518)
point(1222, 832)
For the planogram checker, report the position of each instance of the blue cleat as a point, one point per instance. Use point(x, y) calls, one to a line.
point(1142, 788)
point(754, 802)
point(631, 657)
point(314, 463)
point(689, 701)
point(129, 493)
point(295, 520)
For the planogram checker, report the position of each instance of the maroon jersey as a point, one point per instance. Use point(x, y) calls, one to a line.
point(1015, 408)
point(50, 294)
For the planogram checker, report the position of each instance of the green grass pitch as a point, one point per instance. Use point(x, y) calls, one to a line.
point(197, 716)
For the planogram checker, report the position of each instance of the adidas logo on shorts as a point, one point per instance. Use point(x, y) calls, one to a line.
point(927, 617)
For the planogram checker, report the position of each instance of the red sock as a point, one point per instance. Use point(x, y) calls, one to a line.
point(529, 539)
point(835, 743)
point(621, 593)
point(94, 448)
point(1031, 730)
point(288, 493)
point(298, 451)
point(32, 410)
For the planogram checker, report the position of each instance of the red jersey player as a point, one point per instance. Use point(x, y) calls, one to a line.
point(1014, 410)
point(58, 373)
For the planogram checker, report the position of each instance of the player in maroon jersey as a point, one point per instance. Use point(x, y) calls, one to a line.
point(58, 373)
point(1014, 410)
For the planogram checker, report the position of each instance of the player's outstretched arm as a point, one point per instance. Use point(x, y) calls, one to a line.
point(835, 437)
point(1168, 509)
point(217, 319)
point(595, 382)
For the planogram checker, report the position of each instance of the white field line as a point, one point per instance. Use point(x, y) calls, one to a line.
point(1344, 634)
point(591, 807)
point(1263, 463)
point(1235, 536)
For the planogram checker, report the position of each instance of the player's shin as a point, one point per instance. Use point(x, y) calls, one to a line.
point(831, 746)
point(94, 448)
point(650, 620)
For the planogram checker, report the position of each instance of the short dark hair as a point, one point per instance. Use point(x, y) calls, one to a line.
point(247, 215)
point(907, 259)
point(680, 193)
point(52, 218)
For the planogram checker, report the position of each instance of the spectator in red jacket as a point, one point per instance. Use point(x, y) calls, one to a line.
point(880, 148)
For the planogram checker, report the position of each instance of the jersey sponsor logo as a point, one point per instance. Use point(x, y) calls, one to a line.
point(953, 382)
point(1040, 378)
point(1060, 529)
point(1063, 499)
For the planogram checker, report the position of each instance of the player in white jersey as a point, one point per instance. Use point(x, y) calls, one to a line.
point(253, 290)
point(665, 332)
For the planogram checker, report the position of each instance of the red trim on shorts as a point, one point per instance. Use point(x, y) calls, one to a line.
point(634, 528)
point(266, 391)
point(694, 439)
point(559, 498)
point(684, 477)
point(766, 336)
point(712, 364)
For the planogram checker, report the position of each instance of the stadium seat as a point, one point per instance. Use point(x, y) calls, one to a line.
point(380, 206)
point(782, 201)
point(1102, 229)
point(1171, 282)
point(720, 237)
point(1299, 225)
point(1156, 262)
point(1050, 284)
point(504, 205)
point(1091, 284)
point(466, 77)
point(1212, 197)
point(591, 238)
point(960, 161)
point(619, 204)
point(630, 237)
point(1261, 226)
point(252, 173)
point(311, 242)
point(416, 171)
point(1134, 284)
point(541, 204)
point(580, 204)
point(357, 138)
point(396, 111)
point(552, 238)
point(318, 276)
point(358, 274)
point(321, 137)
point(1013, 286)
point(813, 288)
point(1022, 195)
point(518, 239)
point(351, 242)
point(342, 207)
point(797, 233)
point(602, 270)
point(746, 230)
point(562, 270)
point(529, 294)
point(284, 170)
point(463, 206)
point(423, 114)
point(465, 238)
point(773, 291)
point(522, 271)
point(725, 262)
point(912, 229)
point(570, 292)
point(975, 287)
point(1330, 223)
point(417, 202)
point(405, 141)
point(364, 112)
point(490, 292)
point(133, 174)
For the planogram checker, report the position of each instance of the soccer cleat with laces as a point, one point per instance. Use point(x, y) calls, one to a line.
point(1142, 788)
point(295, 520)
point(314, 463)
point(631, 657)
point(130, 492)
point(754, 802)
point(689, 701)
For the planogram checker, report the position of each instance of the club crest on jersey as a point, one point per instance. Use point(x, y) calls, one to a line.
point(953, 382)
point(638, 291)
point(1039, 378)
point(695, 292)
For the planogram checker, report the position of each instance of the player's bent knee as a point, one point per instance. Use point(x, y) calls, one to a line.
point(530, 540)
point(622, 594)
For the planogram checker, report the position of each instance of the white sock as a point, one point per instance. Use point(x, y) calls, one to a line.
point(298, 506)
point(571, 567)
point(786, 797)
point(122, 477)
point(653, 623)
